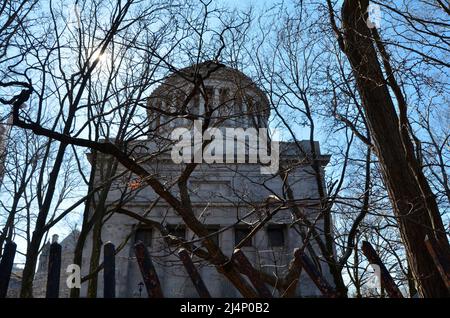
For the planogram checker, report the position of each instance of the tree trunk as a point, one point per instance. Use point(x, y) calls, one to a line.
point(26, 290)
point(95, 259)
point(413, 202)
point(86, 225)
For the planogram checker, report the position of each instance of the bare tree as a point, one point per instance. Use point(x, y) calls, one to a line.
point(86, 73)
point(411, 196)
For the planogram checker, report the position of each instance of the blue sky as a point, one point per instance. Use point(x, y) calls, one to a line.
point(260, 5)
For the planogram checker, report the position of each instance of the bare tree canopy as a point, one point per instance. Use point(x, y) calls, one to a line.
point(225, 150)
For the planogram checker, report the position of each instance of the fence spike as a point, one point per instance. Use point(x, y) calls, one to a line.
point(194, 274)
point(246, 267)
point(54, 271)
point(388, 282)
point(303, 260)
point(109, 271)
point(148, 271)
point(6, 265)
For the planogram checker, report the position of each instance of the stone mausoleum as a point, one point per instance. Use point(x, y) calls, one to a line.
point(229, 198)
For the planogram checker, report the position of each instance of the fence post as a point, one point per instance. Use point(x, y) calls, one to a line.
point(194, 274)
point(148, 271)
point(442, 261)
point(388, 282)
point(54, 271)
point(246, 267)
point(6, 265)
point(303, 260)
point(109, 271)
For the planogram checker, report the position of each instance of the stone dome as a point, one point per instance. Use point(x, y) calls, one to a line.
point(209, 90)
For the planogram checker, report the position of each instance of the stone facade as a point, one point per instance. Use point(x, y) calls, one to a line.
point(228, 198)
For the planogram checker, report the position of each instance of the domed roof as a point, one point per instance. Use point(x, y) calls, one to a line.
point(215, 76)
point(210, 70)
